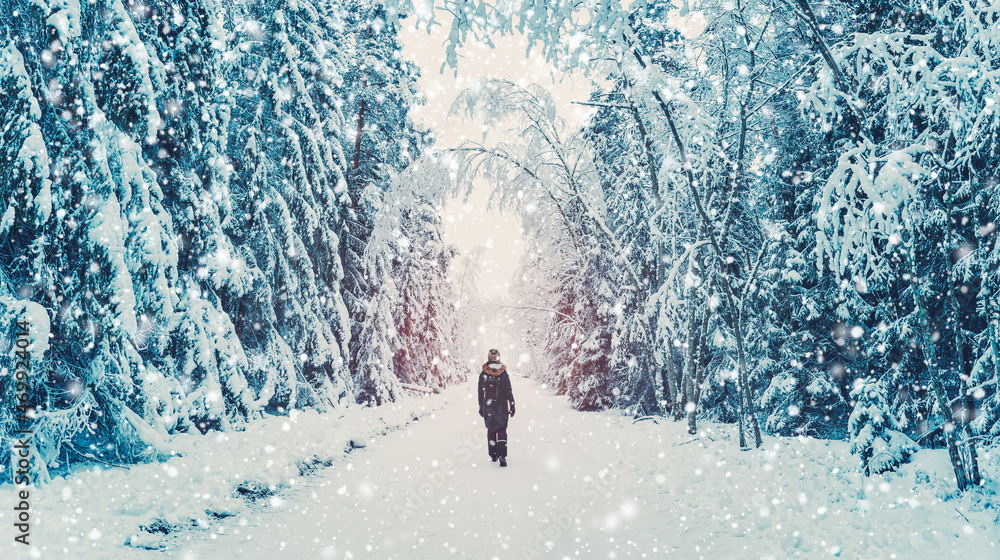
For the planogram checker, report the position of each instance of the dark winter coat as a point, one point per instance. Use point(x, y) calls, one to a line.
point(494, 395)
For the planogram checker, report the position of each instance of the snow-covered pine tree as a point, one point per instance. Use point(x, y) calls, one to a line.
point(425, 315)
point(216, 387)
point(24, 159)
point(542, 313)
point(984, 379)
point(876, 438)
point(803, 395)
point(453, 321)
point(409, 327)
point(810, 373)
point(289, 180)
point(170, 220)
point(465, 274)
point(562, 334)
point(108, 276)
point(378, 89)
point(25, 206)
point(374, 350)
point(597, 386)
point(909, 235)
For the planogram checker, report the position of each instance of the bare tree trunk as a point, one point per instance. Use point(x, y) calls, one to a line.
point(688, 402)
point(745, 386)
point(722, 278)
point(689, 367)
point(668, 378)
point(668, 373)
point(699, 365)
point(971, 456)
point(739, 418)
point(972, 459)
point(361, 124)
point(930, 358)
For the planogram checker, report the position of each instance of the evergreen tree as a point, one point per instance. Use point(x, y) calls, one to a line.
point(378, 340)
point(172, 212)
point(378, 89)
point(291, 179)
point(109, 276)
point(197, 343)
point(984, 379)
point(426, 305)
point(909, 188)
point(875, 436)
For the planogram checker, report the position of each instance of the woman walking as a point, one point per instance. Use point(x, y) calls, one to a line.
point(494, 396)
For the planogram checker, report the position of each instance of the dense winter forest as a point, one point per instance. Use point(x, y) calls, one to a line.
point(782, 217)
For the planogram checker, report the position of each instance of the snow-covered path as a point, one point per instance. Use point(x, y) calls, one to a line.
point(579, 485)
point(430, 491)
point(594, 486)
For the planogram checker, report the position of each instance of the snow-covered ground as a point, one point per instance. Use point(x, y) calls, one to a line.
point(413, 481)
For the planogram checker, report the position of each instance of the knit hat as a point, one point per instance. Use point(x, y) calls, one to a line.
point(494, 355)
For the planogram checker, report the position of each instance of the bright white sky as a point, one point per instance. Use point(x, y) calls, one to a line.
point(473, 224)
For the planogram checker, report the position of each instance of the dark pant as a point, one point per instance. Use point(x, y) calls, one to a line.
point(497, 439)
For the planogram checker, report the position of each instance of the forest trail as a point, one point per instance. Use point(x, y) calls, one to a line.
point(430, 491)
point(591, 485)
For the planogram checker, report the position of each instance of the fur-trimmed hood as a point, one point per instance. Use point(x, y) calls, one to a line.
point(494, 368)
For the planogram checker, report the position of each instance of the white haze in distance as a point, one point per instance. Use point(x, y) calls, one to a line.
point(473, 224)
